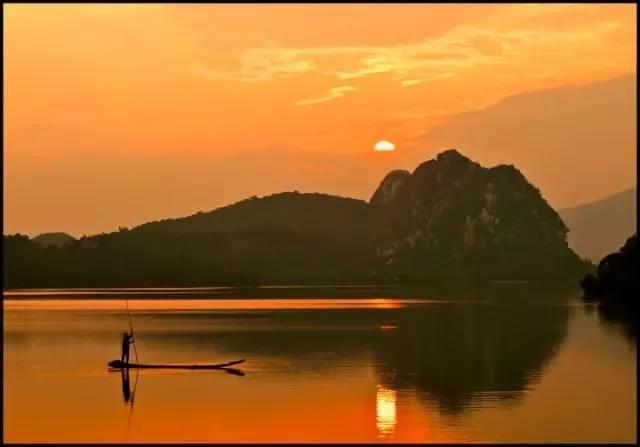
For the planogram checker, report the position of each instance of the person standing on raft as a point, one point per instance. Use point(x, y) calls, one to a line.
point(127, 339)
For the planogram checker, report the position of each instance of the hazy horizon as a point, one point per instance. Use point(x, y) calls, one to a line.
point(79, 235)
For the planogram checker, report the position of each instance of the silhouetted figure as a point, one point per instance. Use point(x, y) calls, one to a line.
point(127, 339)
point(126, 385)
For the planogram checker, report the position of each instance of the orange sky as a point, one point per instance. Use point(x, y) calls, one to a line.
point(120, 114)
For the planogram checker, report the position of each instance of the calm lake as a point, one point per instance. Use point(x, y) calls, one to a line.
point(494, 363)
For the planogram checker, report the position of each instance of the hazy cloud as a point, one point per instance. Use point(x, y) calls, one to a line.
point(461, 48)
point(261, 64)
point(334, 93)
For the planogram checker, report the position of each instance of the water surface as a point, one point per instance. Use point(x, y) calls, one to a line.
point(501, 363)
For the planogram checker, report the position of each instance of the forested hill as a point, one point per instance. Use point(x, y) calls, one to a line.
point(449, 218)
point(287, 237)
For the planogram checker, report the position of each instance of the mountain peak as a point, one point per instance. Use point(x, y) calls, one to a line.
point(452, 210)
point(451, 155)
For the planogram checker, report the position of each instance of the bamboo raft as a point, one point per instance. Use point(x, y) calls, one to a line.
point(118, 364)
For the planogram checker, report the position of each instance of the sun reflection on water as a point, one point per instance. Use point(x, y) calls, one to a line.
point(385, 411)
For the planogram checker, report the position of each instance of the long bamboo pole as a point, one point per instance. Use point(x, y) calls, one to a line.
point(135, 351)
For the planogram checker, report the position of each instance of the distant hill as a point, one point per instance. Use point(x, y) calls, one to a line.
point(449, 218)
point(601, 227)
point(557, 145)
point(57, 239)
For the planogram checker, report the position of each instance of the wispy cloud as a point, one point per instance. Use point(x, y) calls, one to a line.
point(261, 64)
point(334, 93)
point(427, 78)
point(445, 56)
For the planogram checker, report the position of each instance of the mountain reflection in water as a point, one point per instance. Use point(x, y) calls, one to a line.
point(489, 346)
point(438, 364)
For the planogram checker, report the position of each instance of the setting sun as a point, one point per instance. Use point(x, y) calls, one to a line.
point(384, 146)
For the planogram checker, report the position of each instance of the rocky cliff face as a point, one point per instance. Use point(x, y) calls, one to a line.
point(451, 214)
point(387, 192)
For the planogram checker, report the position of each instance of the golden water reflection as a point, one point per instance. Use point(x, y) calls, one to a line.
point(213, 304)
point(344, 371)
point(385, 411)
